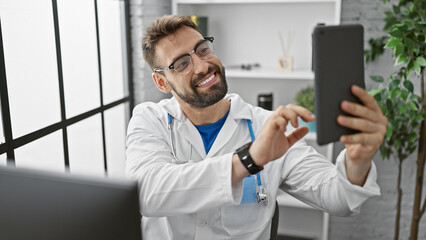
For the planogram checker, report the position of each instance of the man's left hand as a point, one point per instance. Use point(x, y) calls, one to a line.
point(361, 147)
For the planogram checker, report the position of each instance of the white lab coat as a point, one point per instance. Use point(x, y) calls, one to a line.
point(195, 200)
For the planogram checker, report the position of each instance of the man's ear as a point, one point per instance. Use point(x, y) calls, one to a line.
point(161, 82)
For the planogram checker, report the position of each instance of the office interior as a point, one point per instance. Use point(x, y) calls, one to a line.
point(72, 71)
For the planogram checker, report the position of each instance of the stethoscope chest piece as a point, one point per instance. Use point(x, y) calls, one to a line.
point(261, 196)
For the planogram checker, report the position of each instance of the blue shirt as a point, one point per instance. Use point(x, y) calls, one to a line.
point(209, 132)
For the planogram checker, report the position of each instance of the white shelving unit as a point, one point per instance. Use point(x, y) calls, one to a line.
point(247, 32)
point(270, 74)
point(313, 223)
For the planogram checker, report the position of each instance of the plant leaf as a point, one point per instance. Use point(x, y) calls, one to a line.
point(409, 85)
point(396, 33)
point(392, 42)
point(399, 48)
point(397, 144)
point(412, 114)
point(373, 92)
point(402, 109)
point(389, 104)
point(413, 137)
point(413, 106)
point(395, 92)
point(419, 117)
point(404, 94)
point(389, 131)
point(396, 9)
point(377, 78)
point(401, 59)
point(410, 67)
point(394, 84)
point(421, 61)
point(409, 43)
point(417, 68)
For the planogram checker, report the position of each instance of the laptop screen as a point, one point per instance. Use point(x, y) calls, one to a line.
point(45, 205)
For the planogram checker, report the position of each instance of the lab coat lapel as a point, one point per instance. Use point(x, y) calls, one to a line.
point(239, 110)
point(224, 135)
point(185, 129)
point(191, 134)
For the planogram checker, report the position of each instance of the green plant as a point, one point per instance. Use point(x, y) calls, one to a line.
point(405, 25)
point(306, 98)
point(402, 108)
point(377, 48)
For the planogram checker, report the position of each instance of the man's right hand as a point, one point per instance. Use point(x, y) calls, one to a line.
point(272, 143)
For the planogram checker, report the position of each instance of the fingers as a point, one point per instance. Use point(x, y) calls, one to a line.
point(360, 111)
point(369, 110)
point(289, 113)
point(367, 118)
point(302, 112)
point(365, 98)
point(297, 134)
point(360, 124)
point(280, 123)
point(371, 139)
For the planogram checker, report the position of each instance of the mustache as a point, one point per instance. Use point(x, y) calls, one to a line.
point(210, 70)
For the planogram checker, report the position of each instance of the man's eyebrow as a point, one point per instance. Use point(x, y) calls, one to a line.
point(196, 45)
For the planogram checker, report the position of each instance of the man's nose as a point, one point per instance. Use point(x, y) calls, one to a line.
point(200, 66)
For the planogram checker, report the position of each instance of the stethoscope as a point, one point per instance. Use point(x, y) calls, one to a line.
point(260, 189)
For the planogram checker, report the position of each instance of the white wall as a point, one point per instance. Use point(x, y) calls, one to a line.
point(142, 13)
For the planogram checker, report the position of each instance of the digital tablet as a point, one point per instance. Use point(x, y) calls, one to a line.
point(338, 63)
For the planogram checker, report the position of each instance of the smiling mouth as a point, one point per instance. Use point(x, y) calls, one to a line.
point(206, 81)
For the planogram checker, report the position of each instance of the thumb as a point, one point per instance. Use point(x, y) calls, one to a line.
point(297, 134)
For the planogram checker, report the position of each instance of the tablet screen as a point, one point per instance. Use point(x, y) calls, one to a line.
point(338, 63)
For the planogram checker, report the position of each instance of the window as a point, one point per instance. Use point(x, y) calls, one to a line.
point(65, 93)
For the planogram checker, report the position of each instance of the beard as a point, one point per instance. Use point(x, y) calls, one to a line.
point(215, 93)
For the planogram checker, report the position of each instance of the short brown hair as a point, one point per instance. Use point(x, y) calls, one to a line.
point(160, 28)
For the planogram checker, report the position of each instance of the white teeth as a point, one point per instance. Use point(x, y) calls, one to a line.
point(206, 81)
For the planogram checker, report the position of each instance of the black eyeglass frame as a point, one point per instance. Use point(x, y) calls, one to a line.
point(171, 66)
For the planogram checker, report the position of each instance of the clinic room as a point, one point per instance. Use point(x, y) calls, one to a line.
point(212, 119)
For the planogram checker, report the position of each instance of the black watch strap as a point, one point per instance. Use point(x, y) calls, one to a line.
point(246, 159)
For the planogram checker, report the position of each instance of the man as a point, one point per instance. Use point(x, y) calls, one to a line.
point(199, 179)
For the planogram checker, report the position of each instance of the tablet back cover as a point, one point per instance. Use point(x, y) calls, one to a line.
point(338, 63)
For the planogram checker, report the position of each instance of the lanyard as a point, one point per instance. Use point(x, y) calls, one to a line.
point(259, 181)
point(261, 194)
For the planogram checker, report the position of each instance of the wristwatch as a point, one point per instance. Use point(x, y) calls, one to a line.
point(246, 159)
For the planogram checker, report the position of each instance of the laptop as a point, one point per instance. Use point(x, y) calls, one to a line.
point(45, 205)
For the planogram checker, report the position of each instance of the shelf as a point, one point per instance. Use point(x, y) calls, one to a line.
point(248, 31)
point(285, 200)
point(270, 74)
point(250, 1)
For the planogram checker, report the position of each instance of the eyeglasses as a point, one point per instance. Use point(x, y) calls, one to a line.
point(184, 65)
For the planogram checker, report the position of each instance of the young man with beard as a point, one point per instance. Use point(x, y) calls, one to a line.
point(198, 177)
